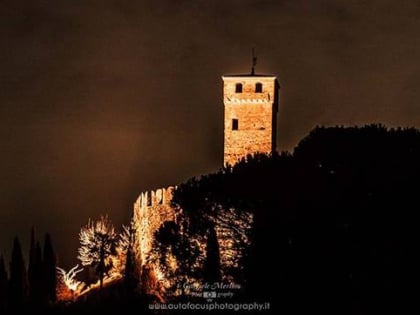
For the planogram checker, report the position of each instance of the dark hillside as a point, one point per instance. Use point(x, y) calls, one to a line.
point(339, 213)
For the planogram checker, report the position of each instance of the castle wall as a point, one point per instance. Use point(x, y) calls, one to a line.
point(151, 209)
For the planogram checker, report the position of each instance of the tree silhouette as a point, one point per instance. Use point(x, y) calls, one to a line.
point(3, 285)
point(50, 274)
point(18, 287)
point(131, 269)
point(33, 271)
point(174, 241)
point(125, 249)
point(211, 268)
point(37, 286)
point(98, 248)
point(339, 214)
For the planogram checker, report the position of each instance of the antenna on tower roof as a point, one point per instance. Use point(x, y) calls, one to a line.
point(254, 61)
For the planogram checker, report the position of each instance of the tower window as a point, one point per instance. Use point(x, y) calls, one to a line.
point(258, 88)
point(235, 124)
point(238, 88)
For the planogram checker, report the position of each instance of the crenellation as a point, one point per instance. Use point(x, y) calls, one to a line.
point(152, 198)
point(151, 209)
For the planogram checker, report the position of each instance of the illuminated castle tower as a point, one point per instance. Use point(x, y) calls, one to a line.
point(250, 126)
point(251, 103)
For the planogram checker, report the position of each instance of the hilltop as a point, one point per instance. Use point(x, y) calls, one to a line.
point(334, 222)
point(328, 227)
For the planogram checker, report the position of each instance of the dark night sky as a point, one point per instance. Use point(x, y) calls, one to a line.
point(100, 100)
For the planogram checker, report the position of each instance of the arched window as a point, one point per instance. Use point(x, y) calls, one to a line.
point(238, 88)
point(258, 87)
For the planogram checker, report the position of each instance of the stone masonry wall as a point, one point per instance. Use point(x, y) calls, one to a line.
point(151, 209)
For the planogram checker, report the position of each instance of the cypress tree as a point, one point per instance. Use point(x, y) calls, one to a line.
point(31, 265)
point(38, 287)
point(3, 285)
point(211, 268)
point(50, 276)
point(32, 269)
point(18, 287)
point(131, 270)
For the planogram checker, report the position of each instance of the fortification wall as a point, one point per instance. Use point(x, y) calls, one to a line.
point(151, 209)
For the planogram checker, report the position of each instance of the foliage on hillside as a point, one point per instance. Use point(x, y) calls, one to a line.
point(339, 212)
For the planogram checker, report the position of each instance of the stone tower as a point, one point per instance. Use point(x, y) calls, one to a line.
point(251, 104)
